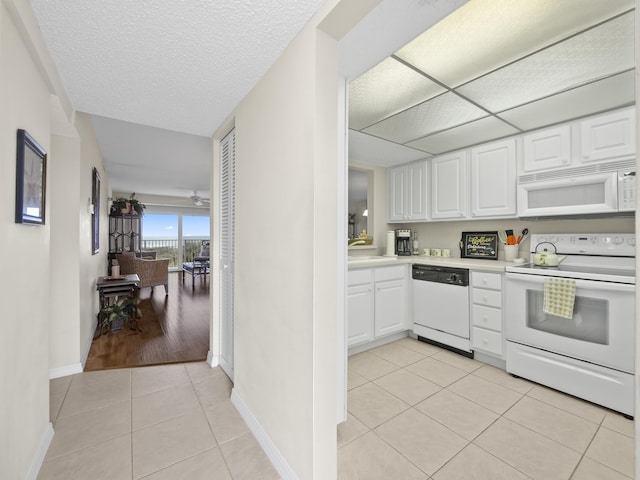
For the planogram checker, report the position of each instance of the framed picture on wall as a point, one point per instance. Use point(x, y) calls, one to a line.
point(479, 245)
point(95, 213)
point(31, 173)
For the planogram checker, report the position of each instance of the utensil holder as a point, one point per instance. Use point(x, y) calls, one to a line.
point(510, 252)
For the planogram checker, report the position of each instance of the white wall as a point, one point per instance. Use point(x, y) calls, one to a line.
point(74, 267)
point(24, 285)
point(286, 251)
point(48, 294)
point(65, 348)
point(91, 266)
point(274, 288)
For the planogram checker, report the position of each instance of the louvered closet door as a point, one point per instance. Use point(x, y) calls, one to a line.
point(227, 203)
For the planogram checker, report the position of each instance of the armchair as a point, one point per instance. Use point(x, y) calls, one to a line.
point(199, 265)
point(151, 272)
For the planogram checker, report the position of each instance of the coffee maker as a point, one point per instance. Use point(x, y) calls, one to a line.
point(403, 242)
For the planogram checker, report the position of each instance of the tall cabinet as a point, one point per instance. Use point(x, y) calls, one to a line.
point(407, 193)
point(125, 235)
point(493, 179)
point(449, 186)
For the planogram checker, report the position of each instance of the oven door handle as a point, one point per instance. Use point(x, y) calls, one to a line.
point(585, 284)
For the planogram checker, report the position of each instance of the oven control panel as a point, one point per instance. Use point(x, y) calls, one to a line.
point(608, 244)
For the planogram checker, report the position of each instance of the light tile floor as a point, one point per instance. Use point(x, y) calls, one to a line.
point(158, 423)
point(415, 412)
point(420, 412)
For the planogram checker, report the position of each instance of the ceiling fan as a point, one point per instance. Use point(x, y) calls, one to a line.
point(199, 201)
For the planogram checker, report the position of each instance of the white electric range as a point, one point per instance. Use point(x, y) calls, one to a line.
point(590, 355)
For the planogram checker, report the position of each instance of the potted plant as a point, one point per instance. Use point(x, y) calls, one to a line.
point(136, 205)
point(125, 206)
point(112, 317)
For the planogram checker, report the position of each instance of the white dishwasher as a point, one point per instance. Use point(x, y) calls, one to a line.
point(441, 306)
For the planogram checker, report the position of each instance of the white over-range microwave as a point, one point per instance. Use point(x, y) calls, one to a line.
point(592, 189)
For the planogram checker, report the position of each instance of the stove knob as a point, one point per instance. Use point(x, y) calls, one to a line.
point(618, 241)
point(632, 241)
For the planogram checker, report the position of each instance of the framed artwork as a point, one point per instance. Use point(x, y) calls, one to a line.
point(95, 214)
point(479, 245)
point(31, 173)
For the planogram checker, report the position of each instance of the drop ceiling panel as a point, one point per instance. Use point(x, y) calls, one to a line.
point(375, 151)
point(484, 35)
point(440, 113)
point(599, 52)
point(385, 90)
point(472, 133)
point(538, 62)
point(613, 92)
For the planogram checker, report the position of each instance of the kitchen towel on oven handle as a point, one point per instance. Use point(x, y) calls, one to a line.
point(559, 297)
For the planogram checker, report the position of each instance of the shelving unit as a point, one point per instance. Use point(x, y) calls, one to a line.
point(125, 234)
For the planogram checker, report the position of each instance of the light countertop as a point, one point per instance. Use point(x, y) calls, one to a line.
point(470, 263)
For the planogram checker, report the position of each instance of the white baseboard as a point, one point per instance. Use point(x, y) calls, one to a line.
point(278, 461)
point(38, 458)
point(65, 371)
point(88, 341)
point(212, 359)
point(378, 342)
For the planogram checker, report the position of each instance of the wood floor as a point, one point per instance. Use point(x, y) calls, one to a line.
point(174, 328)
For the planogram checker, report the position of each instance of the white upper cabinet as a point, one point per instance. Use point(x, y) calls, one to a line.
point(609, 136)
point(396, 194)
point(449, 186)
point(408, 193)
point(548, 148)
point(493, 179)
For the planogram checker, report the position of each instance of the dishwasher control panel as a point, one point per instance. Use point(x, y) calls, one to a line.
point(448, 275)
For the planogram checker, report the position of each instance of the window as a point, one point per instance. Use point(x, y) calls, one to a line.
point(160, 235)
point(194, 231)
point(174, 236)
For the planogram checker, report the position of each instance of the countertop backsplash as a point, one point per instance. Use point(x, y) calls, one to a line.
point(447, 234)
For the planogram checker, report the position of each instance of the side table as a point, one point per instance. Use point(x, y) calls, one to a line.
point(110, 288)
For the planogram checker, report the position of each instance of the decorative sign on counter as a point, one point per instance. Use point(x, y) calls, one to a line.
point(479, 245)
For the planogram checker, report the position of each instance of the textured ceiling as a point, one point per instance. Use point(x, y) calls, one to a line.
point(178, 66)
point(494, 68)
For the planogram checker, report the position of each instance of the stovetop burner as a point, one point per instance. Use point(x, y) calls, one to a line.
point(601, 257)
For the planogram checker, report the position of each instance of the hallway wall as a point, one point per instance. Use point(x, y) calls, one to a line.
point(47, 291)
point(24, 292)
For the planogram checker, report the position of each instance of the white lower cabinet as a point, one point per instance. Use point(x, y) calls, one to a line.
point(486, 313)
point(377, 303)
point(390, 300)
point(360, 306)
